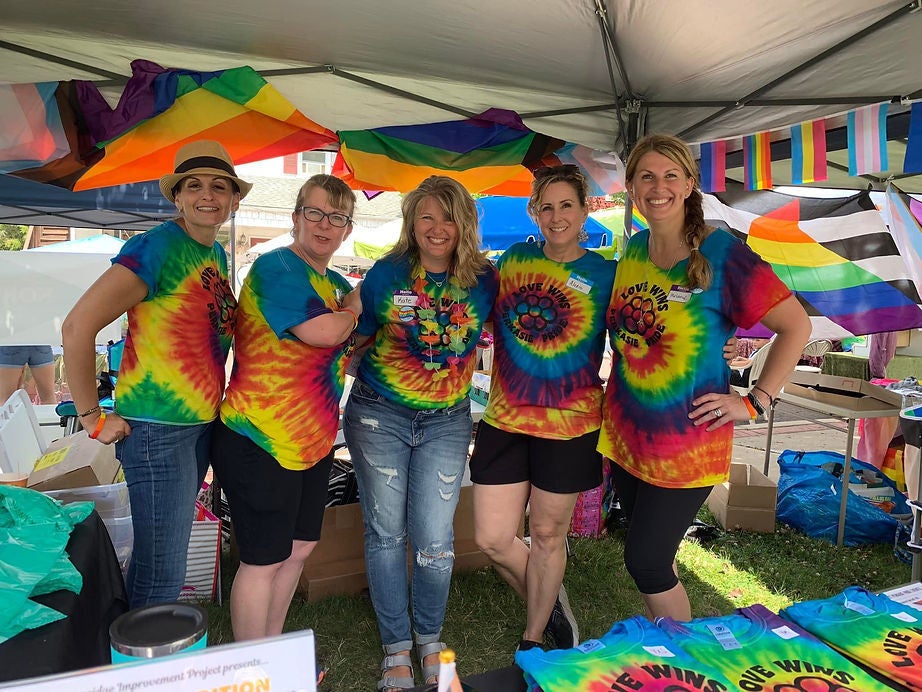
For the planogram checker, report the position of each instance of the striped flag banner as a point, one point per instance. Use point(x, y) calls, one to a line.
point(905, 222)
point(757, 161)
point(714, 166)
point(912, 162)
point(867, 140)
point(638, 220)
point(808, 152)
point(31, 131)
point(837, 255)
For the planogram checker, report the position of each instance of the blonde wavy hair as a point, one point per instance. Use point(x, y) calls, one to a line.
point(699, 272)
point(567, 173)
point(468, 260)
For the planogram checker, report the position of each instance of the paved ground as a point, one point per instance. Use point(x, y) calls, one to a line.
point(794, 428)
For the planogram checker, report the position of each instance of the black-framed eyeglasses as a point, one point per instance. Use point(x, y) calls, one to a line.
point(565, 169)
point(335, 218)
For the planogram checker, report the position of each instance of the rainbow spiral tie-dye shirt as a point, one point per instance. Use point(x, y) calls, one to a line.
point(632, 655)
point(284, 394)
point(667, 346)
point(172, 368)
point(871, 628)
point(761, 652)
point(549, 332)
point(425, 334)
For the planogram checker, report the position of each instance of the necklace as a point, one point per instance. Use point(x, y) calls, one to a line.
point(680, 250)
point(441, 327)
point(432, 279)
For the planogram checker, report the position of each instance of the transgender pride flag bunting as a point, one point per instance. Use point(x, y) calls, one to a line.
point(867, 140)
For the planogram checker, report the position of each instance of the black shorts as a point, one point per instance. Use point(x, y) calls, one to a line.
point(555, 466)
point(270, 505)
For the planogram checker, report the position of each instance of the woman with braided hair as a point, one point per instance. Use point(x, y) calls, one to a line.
point(682, 288)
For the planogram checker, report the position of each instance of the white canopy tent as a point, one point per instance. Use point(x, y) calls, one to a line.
point(596, 72)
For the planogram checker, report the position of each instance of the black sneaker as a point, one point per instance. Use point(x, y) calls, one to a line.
point(561, 631)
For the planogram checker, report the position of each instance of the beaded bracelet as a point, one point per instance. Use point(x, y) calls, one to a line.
point(98, 429)
point(88, 412)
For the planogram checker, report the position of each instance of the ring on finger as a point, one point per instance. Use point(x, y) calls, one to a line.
point(718, 413)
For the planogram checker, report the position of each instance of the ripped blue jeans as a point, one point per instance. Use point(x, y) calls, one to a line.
point(408, 465)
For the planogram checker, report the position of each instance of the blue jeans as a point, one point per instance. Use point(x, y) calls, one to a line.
point(408, 464)
point(164, 467)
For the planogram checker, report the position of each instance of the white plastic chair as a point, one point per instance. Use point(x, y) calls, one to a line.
point(814, 349)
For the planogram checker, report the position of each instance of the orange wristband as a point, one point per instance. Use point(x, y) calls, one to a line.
point(98, 429)
point(355, 317)
point(752, 411)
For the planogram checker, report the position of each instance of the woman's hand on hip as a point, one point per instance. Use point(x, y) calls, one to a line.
point(715, 410)
point(114, 428)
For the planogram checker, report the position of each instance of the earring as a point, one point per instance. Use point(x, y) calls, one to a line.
point(582, 236)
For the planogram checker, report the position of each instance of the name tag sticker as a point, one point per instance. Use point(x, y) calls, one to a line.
point(405, 298)
point(678, 294)
point(579, 283)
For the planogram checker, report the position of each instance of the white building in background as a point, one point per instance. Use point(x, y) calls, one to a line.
point(265, 213)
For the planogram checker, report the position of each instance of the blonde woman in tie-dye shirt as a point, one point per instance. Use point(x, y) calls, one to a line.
point(537, 441)
point(273, 447)
point(172, 282)
point(682, 288)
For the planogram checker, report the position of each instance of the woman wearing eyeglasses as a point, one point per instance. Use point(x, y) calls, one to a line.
point(273, 445)
point(537, 441)
point(408, 418)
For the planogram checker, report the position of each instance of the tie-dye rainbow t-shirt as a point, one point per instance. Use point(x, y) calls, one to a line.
point(172, 368)
point(632, 655)
point(284, 394)
point(871, 628)
point(549, 335)
point(761, 652)
point(425, 334)
point(667, 346)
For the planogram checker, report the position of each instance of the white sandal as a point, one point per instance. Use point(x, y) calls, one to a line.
point(394, 682)
point(432, 670)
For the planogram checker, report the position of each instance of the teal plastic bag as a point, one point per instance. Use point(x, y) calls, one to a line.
point(34, 531)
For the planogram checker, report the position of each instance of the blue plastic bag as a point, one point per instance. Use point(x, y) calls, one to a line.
point(809, 498)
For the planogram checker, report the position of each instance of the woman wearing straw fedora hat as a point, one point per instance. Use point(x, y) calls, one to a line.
point(172, 282)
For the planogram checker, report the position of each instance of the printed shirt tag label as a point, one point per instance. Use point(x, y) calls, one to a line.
point(678, 294)
point(590, 645)
point(579, 283)
point(785, 632)
point(724, 637)
point(659, 651)
point(858, 607)
point(904, 616)
point(405, 298)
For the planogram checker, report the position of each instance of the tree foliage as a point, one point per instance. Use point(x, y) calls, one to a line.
point(12, 237)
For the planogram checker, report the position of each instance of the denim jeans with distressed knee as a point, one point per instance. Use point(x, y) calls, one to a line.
point(408, 464)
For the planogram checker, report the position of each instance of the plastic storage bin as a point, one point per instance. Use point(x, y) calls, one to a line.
point(122, 536)
point(111, 500)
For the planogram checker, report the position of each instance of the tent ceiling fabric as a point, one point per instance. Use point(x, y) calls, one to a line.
point(529, 57)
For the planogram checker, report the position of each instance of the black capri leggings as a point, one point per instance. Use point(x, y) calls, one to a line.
point(658, 519)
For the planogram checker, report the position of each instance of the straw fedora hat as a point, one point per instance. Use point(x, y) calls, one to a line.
point(202, 156)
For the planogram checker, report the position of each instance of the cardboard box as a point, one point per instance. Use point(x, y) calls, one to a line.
point(747, 500)
point(337, 564)
point(848, 393)
point(74, 461)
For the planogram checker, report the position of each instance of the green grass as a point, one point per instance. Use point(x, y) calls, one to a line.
point(485, 619)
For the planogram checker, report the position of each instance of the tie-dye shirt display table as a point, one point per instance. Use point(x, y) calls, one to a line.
point(284, 394)
point(172, 368)
point(549, 331)
point(667, 343)
point(871, 628)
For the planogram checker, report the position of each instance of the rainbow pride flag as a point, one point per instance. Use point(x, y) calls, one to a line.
point(638, 220)
point(160, 111)
point(867, 140)
point(482, 153)
point(837, 255)
point(808, 152)
point(757, 161)
point(714, 166)
point(905, 215)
